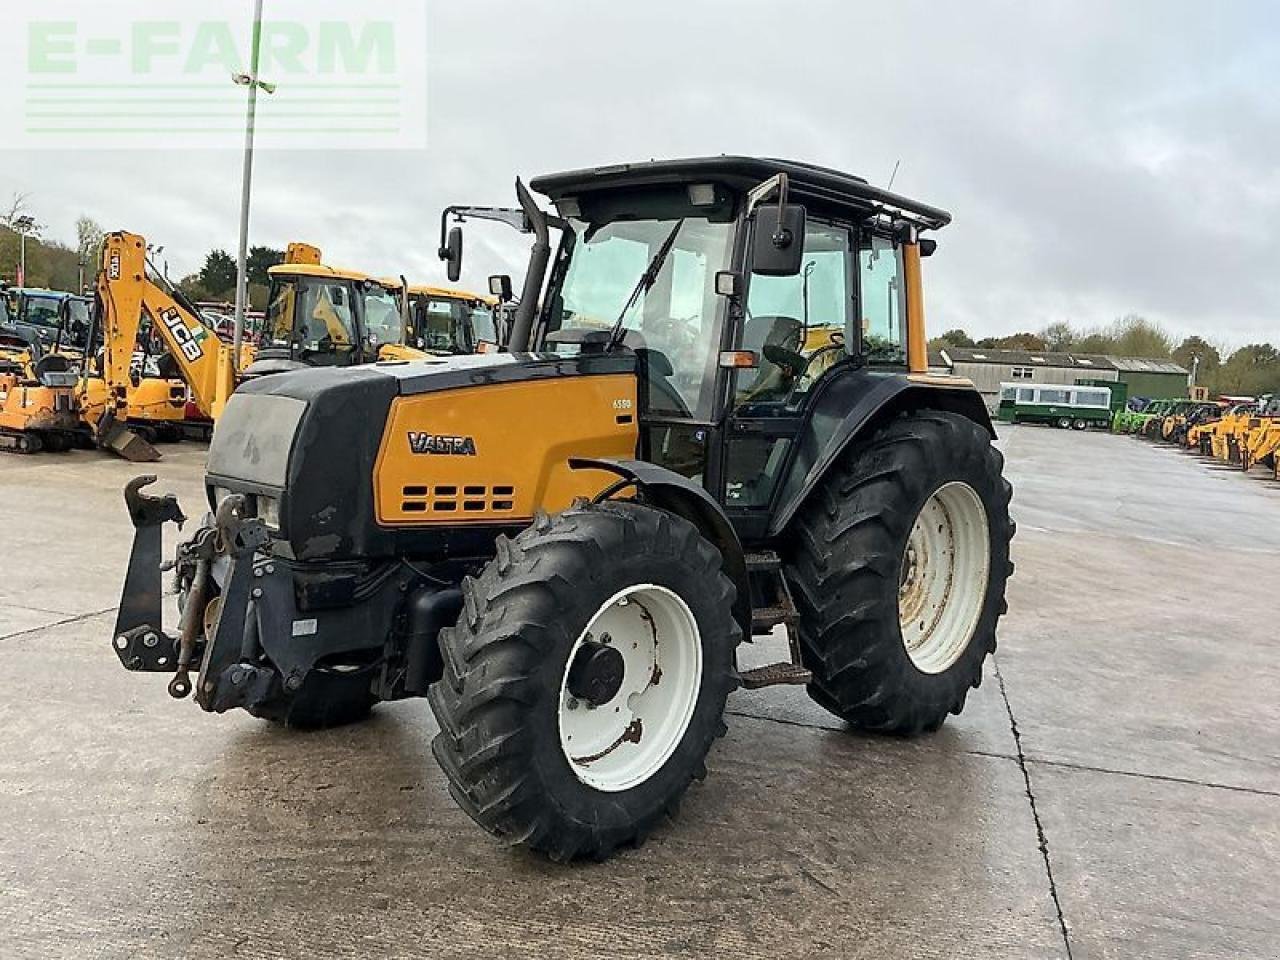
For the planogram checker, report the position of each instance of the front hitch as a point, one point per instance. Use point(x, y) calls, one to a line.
point(212, 625)
point(140, 640)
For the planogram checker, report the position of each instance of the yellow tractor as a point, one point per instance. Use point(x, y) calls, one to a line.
point(562, 545)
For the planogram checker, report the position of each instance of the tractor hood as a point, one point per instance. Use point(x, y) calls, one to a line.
point(303, 446)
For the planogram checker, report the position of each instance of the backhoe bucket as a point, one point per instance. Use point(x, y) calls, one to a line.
point(123, 442)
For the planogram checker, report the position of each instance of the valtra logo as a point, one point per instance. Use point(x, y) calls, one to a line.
point(431, 443)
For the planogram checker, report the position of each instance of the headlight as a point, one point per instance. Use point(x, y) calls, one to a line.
point(269, 511)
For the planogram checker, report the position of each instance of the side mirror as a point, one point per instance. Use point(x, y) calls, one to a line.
point(500, 287)
point(451, 254)
point(777, 247)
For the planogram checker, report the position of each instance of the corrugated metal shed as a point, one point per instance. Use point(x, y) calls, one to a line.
point(1144, 365)
point(1030, 358)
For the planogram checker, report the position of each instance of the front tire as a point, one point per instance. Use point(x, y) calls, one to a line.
point(899, 566)
point(586, 679)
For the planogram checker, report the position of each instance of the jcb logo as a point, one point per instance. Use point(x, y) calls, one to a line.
point(187, 342)
point(113, 267)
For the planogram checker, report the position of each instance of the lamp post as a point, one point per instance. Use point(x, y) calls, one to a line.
point(24, 225)
point(251, 81)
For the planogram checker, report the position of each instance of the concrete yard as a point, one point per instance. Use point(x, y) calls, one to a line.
point(1112, 790)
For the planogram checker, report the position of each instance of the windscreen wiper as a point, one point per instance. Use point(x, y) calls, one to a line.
point(646, 282)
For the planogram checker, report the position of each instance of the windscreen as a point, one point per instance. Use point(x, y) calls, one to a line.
point(676, 320)
point(313, 318)
point(42, 310)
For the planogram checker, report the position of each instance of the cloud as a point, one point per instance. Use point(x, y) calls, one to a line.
point(1100, 158)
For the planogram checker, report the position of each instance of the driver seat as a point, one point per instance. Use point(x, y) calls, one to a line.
point(770, 331)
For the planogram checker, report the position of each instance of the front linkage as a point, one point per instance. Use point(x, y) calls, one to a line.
point(265, 634)
point(220, 631)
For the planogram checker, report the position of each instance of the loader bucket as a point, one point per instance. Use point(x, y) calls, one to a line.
point(123, 442)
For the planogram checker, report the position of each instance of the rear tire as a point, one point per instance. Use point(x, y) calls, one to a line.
point(1064, 422)
point(507, 705)
point(859, 565)
point(1079, 424)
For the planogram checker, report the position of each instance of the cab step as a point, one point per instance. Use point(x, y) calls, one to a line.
point(765, 619)
point(775, 674)
point(763, 561)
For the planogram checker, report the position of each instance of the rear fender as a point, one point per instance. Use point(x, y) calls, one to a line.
point(670, 491)
point(853, 405)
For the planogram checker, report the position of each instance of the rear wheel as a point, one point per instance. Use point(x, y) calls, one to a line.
point(1064, 422)
point(586, 679)
point(899, 567)
point(1079, 424)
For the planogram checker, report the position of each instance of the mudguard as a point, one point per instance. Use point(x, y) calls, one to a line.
point(849, 405)
point(685, 498)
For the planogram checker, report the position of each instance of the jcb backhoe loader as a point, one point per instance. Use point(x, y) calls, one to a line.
point(116, 396)
point(446, 321)
point(561, 546)
point(322, 316)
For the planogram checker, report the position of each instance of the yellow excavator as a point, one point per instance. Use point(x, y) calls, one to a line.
point(118, 396)
point(37, 399)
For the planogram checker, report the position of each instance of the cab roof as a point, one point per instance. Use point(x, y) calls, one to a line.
point(447, 293)
point(806, 181)
point(333, 273)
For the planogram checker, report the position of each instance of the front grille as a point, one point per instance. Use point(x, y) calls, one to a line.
point(471, 498)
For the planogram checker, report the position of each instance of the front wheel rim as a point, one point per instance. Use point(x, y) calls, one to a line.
point(623, 742)
point(946, 567)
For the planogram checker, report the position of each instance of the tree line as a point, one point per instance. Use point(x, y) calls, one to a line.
point(57, 266)
point(1252, 370)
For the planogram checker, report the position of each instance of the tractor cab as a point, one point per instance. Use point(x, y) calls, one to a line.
point(322, 316)
point(447, 321)
point(757, 298)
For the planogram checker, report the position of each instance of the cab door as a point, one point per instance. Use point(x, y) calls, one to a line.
point(798, 328)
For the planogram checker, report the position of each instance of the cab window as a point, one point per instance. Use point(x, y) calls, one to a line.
point(883, 301)
point(797, 326)
point(382, 317)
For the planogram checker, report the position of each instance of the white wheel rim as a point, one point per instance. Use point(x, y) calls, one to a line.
point(621, 744)
point(943, 582)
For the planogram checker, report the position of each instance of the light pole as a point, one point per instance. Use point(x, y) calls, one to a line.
point(251, 81)
point(24, 225)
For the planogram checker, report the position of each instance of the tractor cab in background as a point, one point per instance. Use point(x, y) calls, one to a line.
point(447, 321)
point(322, 316)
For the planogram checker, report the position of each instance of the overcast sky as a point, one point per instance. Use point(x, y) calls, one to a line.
point(1100, 158)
